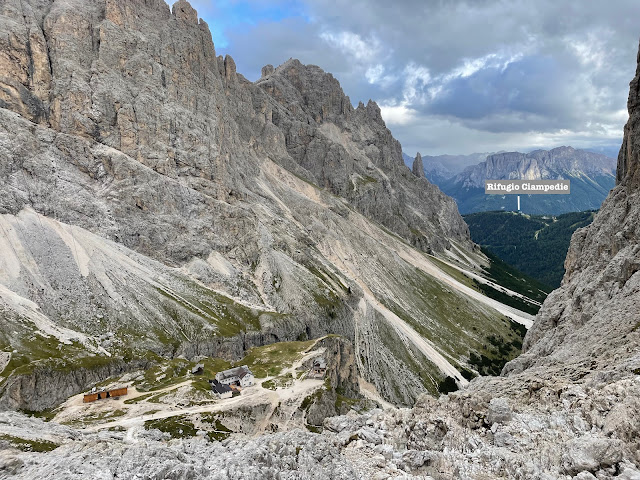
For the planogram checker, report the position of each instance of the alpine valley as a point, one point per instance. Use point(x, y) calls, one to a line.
point(162, 219)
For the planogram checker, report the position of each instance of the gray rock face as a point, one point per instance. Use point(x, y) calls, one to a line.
point(418, 167)
point(352, 153)
point(149, 191)
point(499, 411)
point(539, 164)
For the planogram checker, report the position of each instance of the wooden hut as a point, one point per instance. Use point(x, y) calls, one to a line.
point(118, 392)
point(113, 393)
point(90, 397)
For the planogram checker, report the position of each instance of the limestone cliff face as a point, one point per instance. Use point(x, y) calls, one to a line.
point(150, 192)
point(592, 320)
point(352, 153)
point(540, 164)
point(592, 176)
point(418, 167)
point(164, 99)
point(629, 157)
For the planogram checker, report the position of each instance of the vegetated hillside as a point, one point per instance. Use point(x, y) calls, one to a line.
point(509, 277)
point(592, 176)
point(534, 244)
point(154, 202)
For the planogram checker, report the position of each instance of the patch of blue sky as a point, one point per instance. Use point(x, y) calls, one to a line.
point(233, 15)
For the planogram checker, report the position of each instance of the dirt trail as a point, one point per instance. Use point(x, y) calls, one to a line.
point(371, 392)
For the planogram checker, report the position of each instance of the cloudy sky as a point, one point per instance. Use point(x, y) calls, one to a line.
point(455, 76)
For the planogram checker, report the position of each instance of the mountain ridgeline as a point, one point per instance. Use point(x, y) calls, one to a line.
point(592, 176)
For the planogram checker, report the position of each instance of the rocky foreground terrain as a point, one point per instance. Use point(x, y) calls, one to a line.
point(567, 408)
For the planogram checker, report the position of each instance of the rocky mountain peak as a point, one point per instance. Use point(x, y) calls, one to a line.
point(308, 87)
point(183, 10)
point(418, 166)
point(373, 111)
point(629, 157)
point(267, 70)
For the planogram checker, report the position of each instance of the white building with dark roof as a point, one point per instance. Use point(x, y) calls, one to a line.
point(240, 376)
point(318, 368)
point(220, 389)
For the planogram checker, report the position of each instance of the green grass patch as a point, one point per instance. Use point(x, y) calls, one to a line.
point(281, 381)
point(25, 445)
point(452, 272)
point(165, 374)
point(343, 401)
point(141, 398)
point(178, 426)
point(269, 360)
point(46, 415)
point(218, 431)
point(37, 351)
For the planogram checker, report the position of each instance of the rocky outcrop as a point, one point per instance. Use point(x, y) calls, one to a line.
point(418, 166)
point(628, 170)
point(341, 391)
point(48, 387)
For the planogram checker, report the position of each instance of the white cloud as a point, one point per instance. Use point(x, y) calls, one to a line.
point(375, 75)
point(352, 44)
point(417, 79)
point(397, 114)
point(447, 81)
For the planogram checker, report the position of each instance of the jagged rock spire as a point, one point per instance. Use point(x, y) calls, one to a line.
point(267, 70)
point(628, 172)
point(183, 10)
point(418, 167)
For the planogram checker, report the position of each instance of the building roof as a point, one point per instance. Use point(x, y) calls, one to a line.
point(219, 388)
point(235, 372)
point(320, 362)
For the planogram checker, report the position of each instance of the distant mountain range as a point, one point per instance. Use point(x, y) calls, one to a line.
point(438, 168)
point(592, 175)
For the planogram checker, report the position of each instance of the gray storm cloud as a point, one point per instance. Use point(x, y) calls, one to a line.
point(461, 76)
